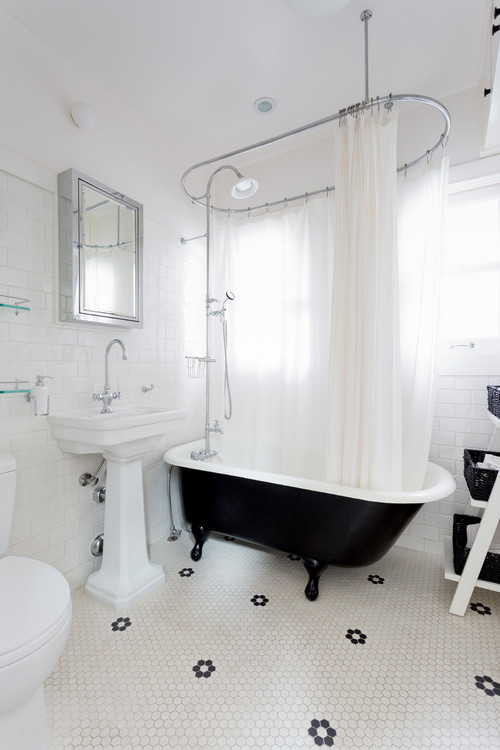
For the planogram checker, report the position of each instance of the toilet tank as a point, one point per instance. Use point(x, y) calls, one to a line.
point(7, 495)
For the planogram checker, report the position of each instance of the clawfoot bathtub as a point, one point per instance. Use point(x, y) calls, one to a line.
point(325, 524)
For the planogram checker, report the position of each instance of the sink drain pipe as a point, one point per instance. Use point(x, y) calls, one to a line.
point(91, 479)
point(97, 546)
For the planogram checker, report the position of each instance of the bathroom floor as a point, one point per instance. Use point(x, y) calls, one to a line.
point(230, 654)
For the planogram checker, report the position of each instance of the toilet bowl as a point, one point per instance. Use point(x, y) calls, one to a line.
point(35, 607)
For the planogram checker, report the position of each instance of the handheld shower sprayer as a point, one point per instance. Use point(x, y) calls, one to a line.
point(229, 298)
point(221, 313)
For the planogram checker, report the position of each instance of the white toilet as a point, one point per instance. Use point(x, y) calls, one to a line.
point(35, 618)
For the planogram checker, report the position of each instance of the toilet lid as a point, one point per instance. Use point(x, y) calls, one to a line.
point(35, 603)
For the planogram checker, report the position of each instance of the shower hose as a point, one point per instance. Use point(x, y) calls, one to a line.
point(228, 402)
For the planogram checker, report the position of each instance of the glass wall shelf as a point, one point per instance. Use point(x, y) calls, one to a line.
point(15, 303)
point(13, 386)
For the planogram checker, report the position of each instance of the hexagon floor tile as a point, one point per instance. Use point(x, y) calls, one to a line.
point(229, 654)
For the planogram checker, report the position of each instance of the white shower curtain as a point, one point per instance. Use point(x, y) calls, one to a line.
point(279, 266)
point(421, 208)
point(364, 404)
point(331, 359)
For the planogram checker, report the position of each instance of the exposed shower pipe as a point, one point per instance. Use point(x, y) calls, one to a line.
point(243, 188)
point(368, 103)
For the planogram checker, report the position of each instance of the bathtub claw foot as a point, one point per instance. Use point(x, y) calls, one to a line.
point(201, 535)
point(314, 569)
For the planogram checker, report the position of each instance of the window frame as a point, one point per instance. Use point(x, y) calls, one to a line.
point(482, 176)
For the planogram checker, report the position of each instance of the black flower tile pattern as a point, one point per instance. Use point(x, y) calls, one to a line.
point(259, 600)
point(186, 572)
point(376, 579)
point(481, 609)
point(294, 557)
point(356, 636)
point(122, 623)
point(489, 686)
point(322, 732)
point(280, 668)
point(200, 672)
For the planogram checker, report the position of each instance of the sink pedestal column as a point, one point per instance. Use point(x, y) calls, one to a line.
point(126, 573)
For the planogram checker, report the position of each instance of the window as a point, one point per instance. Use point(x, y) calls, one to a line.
point(470, 296)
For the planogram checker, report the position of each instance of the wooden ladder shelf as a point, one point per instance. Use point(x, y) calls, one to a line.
point(487, 527)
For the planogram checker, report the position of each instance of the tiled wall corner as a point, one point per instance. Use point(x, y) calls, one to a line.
point(460, 421)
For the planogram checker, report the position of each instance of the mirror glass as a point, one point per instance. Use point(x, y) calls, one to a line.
point(100, 253)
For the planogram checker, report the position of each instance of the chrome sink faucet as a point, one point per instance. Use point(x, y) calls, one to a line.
point(108, 395)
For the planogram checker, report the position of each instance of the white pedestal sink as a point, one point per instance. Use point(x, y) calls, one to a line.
point(123, 437)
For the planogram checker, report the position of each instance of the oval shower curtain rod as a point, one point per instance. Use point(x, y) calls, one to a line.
point(386, 101)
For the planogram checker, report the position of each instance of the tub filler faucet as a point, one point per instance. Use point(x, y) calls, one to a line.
point(215, 428)
point(108, 395)
point(205, 453)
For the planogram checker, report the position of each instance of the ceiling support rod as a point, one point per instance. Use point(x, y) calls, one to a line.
point(365, 17)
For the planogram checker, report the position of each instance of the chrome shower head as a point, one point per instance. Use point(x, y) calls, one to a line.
point(245, 187)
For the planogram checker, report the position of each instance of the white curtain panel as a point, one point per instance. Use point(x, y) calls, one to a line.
point(279, 266)
point(364, 406)
point(421, 203)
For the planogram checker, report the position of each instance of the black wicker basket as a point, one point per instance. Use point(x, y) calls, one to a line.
point(479, 481)
point(491, 566)
point(494, 399)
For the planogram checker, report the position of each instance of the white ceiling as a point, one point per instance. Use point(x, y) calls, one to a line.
point(193, 68)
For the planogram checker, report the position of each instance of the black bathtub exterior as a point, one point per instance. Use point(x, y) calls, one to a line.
point(323, 529)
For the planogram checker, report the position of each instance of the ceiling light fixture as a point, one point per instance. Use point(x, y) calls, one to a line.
point(264, 105)
point(316, 8)
point(83, 116)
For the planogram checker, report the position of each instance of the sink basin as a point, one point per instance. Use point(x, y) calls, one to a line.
point(123, 437)
point(126, 432)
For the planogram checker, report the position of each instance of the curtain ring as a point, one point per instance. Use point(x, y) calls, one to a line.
point(286, 202)
point(248, 215)
point(267, 208)
point(429, 157)
point(327, 191)
point(406, 169)
point(307, 197)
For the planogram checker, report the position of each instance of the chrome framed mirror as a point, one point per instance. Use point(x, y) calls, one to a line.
point(100, 253)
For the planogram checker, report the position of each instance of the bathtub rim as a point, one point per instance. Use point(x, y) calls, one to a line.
point(438, 483)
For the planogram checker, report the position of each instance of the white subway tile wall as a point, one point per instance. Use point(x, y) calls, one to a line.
point(55, 519)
